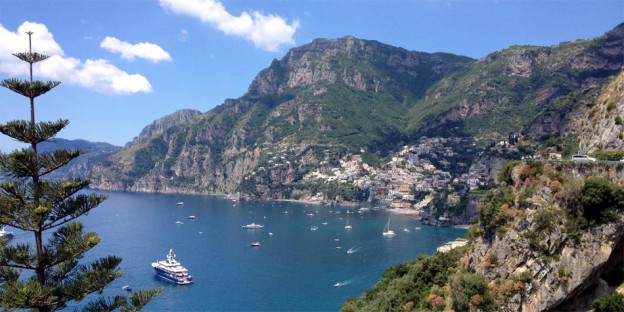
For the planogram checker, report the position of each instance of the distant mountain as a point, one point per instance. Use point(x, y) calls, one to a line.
point(81, 166)
point(535, 90)
point(331, 98)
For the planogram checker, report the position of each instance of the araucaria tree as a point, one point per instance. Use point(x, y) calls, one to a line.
point(49, 274)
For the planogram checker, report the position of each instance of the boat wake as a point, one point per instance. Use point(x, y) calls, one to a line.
point(344, 283)
point(353, 249)
point(364, 246)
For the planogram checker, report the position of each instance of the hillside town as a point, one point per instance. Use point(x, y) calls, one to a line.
point(409, 181)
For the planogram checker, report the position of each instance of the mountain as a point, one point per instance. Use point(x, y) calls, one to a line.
point(81, 166)
point(338, 97)
point(529, 89)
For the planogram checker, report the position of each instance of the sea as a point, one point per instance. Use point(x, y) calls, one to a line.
point(307, 260)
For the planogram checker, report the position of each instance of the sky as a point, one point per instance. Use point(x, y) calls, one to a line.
point(125, 63)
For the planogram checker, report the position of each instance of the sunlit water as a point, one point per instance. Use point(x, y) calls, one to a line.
point(296, 268)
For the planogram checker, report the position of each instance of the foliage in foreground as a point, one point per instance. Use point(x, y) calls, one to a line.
point(409, 285)
point(48, 209)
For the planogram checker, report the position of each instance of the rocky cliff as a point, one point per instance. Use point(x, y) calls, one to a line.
point(603, 127)
point(544, 235)
point(551, 241)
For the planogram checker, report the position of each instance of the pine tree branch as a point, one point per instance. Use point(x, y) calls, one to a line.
point(68, 242)
point(23, 130)
point(54, 160)
point(18, 256)
point(31, 57)
point(28, 89)
point(72, 208)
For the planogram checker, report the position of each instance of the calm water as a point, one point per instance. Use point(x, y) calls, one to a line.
point(294, 269)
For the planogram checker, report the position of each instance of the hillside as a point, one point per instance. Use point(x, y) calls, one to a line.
point(552, 240)
point(332, 99)
point(80, 167)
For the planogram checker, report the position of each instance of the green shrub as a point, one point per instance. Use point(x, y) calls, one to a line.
point(600, 200)
point(471, 291)
point(618, 120)
point(611, 106)
point(609, 303)
point(489, 217)
point(613, 155)
point(505, 174)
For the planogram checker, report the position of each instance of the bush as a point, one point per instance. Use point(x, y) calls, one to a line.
point(471, 291)
point(600, 200)
point(505, 174)
point(609, 155)
point(609, 303)
point(490, 206)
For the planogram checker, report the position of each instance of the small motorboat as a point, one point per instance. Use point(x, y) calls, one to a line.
point(126, 287)
point(180, 203)
point(191, 217)
point(256, 244)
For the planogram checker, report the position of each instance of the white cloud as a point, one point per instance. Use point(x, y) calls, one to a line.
point(98, 75)
point(128, 51)
point(267, 32)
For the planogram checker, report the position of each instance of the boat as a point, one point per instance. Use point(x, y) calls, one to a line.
point(324, 223)
point(171, 270)
point(338, 284)
point(256, 244)
point(179, 222)
point(314, 228)
point(406, 230)
point(126, 287)
point(252, 226)
point(180, 203)
point(347, 226)
point(191, 217)
point(388, 231)
point(5, 234)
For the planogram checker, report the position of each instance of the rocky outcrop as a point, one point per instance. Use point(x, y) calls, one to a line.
point(603, 126)
point(564, 270)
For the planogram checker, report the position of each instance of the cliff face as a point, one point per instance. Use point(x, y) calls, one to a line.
point(603, 126)
point(564, 262)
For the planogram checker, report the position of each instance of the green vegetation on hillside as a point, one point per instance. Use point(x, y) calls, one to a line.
point(541, 203)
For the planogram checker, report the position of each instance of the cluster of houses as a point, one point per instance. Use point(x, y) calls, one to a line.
point(409, 172)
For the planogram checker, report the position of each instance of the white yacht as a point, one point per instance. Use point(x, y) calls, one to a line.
point(252, 226)
point(172, 271)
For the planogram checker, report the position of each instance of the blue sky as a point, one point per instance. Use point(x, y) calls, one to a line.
point(125, 63)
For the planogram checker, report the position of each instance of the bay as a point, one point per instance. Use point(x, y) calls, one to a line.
point(295, 269)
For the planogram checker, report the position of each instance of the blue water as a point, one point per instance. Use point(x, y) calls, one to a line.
point(295, 269)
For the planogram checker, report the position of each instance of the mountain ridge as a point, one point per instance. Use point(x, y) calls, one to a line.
point(334, 97)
